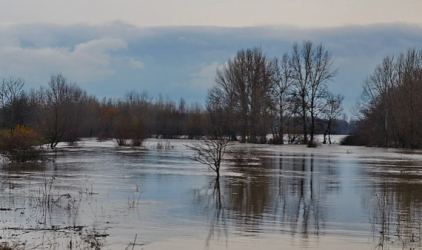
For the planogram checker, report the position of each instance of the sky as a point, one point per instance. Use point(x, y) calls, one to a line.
point(173, 48)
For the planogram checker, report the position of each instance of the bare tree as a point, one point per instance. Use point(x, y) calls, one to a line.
point(210, 152)
point(282, 88)
point(377, 91)
point(246, 83)
point(220, 112)
point(12, 102)
point(311, 70)
point(58, 104)
point(10, 89)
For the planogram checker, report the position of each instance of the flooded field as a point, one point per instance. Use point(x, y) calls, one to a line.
point(95, 195)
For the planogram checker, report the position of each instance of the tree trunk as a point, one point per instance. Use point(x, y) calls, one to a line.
point(325, 136)
point(329, 132)
point(281, 128)
point(312, 132)
point(305, 130)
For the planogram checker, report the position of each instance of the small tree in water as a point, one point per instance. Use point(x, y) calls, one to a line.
point(209, 152)
point(210, 149)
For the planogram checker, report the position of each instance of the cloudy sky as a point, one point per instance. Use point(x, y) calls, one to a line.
point(173, 47)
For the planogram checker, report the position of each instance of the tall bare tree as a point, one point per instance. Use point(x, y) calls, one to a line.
point(246, 83)
point(311, 67)
point(377, 91)
point(281, 91)
point(58, 106)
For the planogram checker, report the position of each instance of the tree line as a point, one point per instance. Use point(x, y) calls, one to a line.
point(252, 96)
point(390, 104)
point(63, 112)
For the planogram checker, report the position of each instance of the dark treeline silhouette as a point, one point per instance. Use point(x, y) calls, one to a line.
point(62, 111)
point(390, 104)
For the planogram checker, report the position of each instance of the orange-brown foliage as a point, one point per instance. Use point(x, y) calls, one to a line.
point(17, 145)
point(20, 137)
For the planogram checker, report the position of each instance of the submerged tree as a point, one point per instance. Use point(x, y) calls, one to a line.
point(244, 91)
point(210, 152)
point(332, 111)
point(281, 91)
point(311, 68)
point(58, 109)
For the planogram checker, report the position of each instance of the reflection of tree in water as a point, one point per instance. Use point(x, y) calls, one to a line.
point(288, 190)
point(277, 193)
point(395, 206)
point(212, 203)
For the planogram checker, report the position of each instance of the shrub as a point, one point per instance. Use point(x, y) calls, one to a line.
point(313, 144)
point(19, 145)
point(5, 246)
point(137, 142)
point(122, 142)
point(130, 133)
point(352, 140)
point(277, 140)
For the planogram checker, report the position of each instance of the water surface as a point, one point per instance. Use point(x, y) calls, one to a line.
point(272, 197)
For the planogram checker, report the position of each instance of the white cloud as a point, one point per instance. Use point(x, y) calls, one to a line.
point(84, 63)
point(135, 64)
point(204, 78)
point(100, 47)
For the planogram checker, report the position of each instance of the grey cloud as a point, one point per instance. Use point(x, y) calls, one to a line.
point(179, 61)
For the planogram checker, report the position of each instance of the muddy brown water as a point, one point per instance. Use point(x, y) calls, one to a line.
point(270, 197)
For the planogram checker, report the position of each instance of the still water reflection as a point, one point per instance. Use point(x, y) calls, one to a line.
point(287, 197)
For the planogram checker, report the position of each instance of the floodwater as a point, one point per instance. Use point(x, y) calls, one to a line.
point(97, 195)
